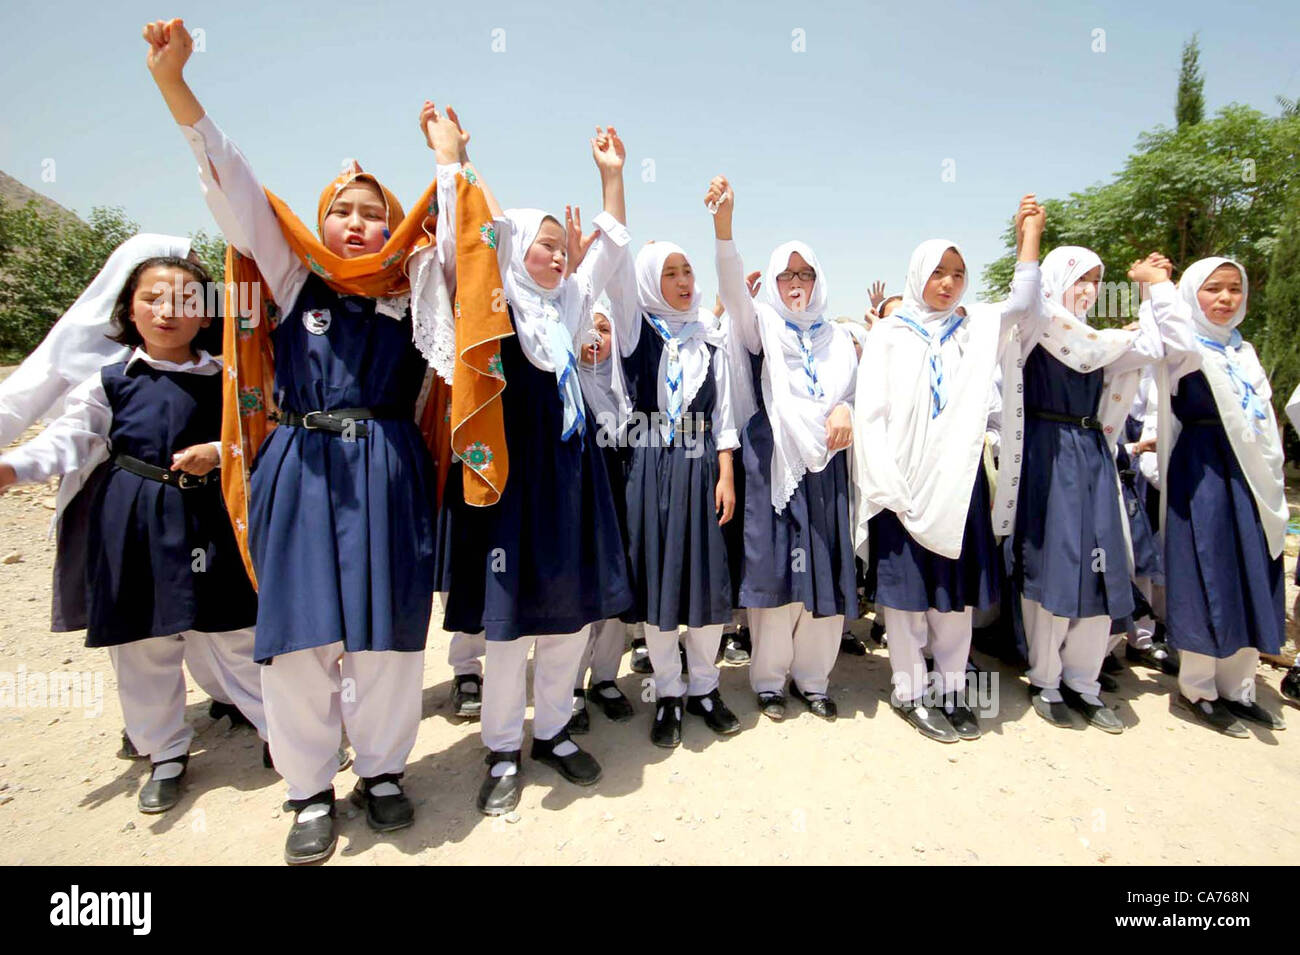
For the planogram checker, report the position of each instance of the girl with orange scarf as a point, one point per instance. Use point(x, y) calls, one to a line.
point(337, 515)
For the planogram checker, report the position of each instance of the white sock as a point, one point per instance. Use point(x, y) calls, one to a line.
point(707, 704)
point(385, 789)
point(314, 811)
point(168, 770)
point(504, 769)
point(610, 692)
point(579, 702)
point(567, 748)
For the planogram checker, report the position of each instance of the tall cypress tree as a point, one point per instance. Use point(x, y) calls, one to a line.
point(1190, 108)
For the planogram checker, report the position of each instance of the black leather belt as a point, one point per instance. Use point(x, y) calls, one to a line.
point(1088, 423)
point(181, 479)
point(336, 420)
point(690, 424)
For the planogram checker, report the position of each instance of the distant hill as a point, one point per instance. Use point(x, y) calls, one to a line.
point(14, 193)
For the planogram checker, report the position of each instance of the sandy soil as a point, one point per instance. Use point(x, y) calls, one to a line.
point(865, 789)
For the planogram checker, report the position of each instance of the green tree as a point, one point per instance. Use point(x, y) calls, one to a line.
point(211, 251)
point(45, 262)
point(1190, 107)
point(1279, 345)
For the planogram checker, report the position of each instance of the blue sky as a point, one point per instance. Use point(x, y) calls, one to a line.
point(842, 145)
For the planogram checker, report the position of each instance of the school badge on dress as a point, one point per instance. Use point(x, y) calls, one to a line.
point(316, 320)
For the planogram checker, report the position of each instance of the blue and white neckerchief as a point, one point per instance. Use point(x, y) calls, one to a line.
point(560, 345)
point(673, 377)
point(938, 388)
point(1251, 402)
point(804, 337)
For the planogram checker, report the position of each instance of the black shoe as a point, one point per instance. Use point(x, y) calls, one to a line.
point(640, 662)
point(1097, 714)
point(931, 723)
point(383, 813)
point(467, 696)
point(852, 646)
point(1255, 713)
point(772, 705)
point(1111, 665)
point(719, 718)
point(1217, 716)
point(963, 721)
point(500, 794)
point(578, 767)
point(820, 705)
point(217, 709)
point(128, 750)
point(666, 731)
point(1290, 686)
point(733, 652)
point(159, 795)
point(744, 641)
point(1158, 656)
point(314, 839)
point(616, 708)
point(1108, 682)
point(580, 721)
point(1055, 712)
point(877, 633)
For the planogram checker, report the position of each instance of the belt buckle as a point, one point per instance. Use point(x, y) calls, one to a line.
point(186, 481)
point(307, 419)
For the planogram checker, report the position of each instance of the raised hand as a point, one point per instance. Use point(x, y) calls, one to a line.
point(718, 195)
point(576, 242)
point(1150, 270)
point(443, 133)
point(608, 151)
point(170, 46)
point(754, 281)
point(877, 293)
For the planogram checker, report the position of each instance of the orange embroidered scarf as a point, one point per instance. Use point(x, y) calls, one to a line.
point(474, 427)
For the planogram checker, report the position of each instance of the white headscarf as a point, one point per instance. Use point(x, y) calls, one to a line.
point(597, 379)
point(1062, 267)
point(689, 330)
point(1242, 395)
point(546, 320)
point(78, 344)
point(797, 402)
point(918, 457)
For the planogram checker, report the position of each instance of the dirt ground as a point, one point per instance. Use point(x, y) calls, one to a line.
point(867, 788)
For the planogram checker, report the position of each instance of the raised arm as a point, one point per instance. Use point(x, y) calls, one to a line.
point(732, 287)
point(608, 250)
point(236, 199)
point(1024, 304)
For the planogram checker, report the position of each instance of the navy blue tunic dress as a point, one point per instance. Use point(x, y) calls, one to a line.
point(1224, 591)
point(143, 577)
point(910, 577)
point(548, 557)
point(1146, 549)
point(341, 531)
point(676, 550)
point(805, 553)
point(1068, 515)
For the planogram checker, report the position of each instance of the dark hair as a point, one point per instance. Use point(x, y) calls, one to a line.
point(124, 330)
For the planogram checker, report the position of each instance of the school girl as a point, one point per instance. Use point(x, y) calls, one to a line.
point(546, 560)
point(1070, 553)
point(1225, 509)
point(339, 519)
point(606, 643)
point(163, 575)
point(680, 490)
point(798, 574)
point(76, 347)
point(922, 406)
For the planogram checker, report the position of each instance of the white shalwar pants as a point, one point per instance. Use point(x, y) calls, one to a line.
point(311, 695)
point(1203, 677)
point(947, 636)
point(701, 653)
point(464, 653)
point(556, 660)
point(151, 685)
point(1064, 650)
point(790, 641)
point(603, 653)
